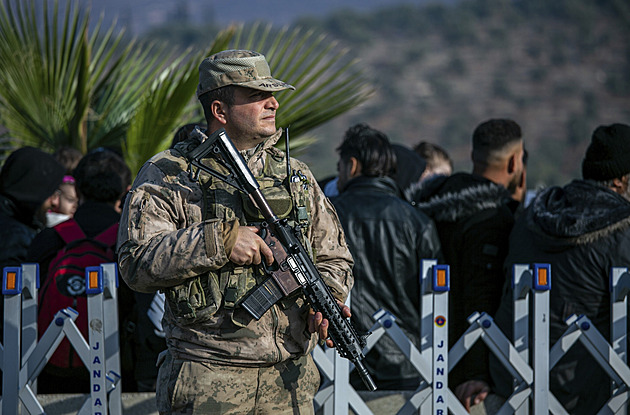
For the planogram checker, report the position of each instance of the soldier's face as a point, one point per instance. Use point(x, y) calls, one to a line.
point(252, 116)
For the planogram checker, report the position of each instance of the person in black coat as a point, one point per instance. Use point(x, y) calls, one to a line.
point(102, 178)
point(582, 230)
point(388, 239)
point(28, 183)
point(474, 214)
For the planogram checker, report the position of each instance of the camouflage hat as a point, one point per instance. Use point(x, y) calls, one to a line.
point(237, 67)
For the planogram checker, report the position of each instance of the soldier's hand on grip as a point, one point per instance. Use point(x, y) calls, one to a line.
point(250, 248)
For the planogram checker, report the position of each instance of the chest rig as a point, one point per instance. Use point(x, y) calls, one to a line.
point(199, 298)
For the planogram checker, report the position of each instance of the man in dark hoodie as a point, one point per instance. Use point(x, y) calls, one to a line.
point(582, 230)
point(474, 214)
point(388, 239)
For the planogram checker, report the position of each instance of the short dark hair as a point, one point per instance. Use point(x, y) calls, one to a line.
point(102, 176)
point(432, 154)
point(69, 158)
point(371, 148)
point(183, 132)
point(224, 94)
point(493, 136)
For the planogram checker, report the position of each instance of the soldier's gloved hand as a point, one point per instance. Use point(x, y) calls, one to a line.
point(249, 248)
point(318, 324)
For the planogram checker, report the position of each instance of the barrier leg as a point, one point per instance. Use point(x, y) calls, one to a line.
point(522, 285)
point(619, 288)
point(96, 365)
point(112, 338)
point(541, 285)
point(12, 291)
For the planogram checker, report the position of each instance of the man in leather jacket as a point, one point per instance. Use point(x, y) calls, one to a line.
point(388, 239)
point(583, 230)
point(190, 236)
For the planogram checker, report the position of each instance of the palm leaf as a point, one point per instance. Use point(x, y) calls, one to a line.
point(66, 85)
point(328, 80)
point(168, 104)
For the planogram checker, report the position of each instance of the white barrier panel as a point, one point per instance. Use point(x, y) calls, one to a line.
point(531, 382)
point(24, 357)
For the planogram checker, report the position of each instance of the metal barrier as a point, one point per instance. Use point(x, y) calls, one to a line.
point(531, 381)
point(24, 357)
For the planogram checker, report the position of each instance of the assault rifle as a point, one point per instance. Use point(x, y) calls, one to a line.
point(293, 268)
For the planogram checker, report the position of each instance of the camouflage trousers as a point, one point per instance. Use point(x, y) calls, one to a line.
point(186, 387)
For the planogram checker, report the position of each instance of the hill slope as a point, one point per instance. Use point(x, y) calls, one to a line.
point(559, 69)
point(439, 69)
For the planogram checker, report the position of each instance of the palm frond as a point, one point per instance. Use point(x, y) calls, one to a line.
point(167, 106)
point(328, 80)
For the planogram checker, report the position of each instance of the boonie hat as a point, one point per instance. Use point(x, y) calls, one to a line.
point(237, 67)
point(608, 155)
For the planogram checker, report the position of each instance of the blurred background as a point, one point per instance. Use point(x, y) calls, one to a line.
point(436, 69)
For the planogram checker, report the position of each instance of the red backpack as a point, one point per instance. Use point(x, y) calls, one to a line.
point(65, 282)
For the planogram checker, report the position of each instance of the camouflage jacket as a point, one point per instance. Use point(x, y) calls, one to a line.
point(172, 237)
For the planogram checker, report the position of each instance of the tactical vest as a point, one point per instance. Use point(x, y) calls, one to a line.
point(199, 298)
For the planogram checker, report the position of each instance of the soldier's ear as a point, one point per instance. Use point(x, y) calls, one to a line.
point(219, 110)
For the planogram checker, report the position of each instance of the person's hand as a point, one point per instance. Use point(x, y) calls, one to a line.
point(472, 392)
point(318, 324)
point(250, 248)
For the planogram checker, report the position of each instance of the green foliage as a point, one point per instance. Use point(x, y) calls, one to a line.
point(62, 85)
point(66, 84)
point(168, 103)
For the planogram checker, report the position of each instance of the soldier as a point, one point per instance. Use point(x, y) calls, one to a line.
point(190, 239)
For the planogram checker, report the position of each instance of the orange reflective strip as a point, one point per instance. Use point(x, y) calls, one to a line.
point(441, 278)
point(93, 279)
point(11, 280)
point(542, 276)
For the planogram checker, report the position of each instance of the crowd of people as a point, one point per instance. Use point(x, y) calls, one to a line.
point(198, 241)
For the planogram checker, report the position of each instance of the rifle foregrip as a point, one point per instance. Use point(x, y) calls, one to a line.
point(346, 340)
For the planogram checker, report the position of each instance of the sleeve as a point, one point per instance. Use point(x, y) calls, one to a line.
point(430, 246)
point(332, 255)
point(485, 252)
point(162, 240)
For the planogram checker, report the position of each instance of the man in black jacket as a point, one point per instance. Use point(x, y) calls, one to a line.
point(582, 230)
point(474, 214)
point(388, 239)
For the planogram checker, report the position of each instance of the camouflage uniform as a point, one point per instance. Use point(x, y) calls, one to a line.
point(173, 237)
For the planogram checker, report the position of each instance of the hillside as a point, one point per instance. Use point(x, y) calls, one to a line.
point(558, 68)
